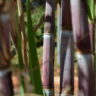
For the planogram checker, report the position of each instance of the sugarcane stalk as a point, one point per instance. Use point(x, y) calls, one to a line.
point(48, 49)
point(94, 41)
point(6, 83)
point(67, 76)
point(92, 38)
point(91, 29)
point(94, 50)
point(5, 72)
point(67, 52)
point(48, 65)
point(95, 59)
point(83, 48)
point(92, 11)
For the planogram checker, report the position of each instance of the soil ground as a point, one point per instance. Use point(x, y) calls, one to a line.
point(16, 83)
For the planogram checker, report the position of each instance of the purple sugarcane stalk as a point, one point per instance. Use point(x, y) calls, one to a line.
point(68, 66)
point(66, 15)
point(6, 87)
point(48, 49)
point(91, 30)
point(82, 42)
point(86, 76)
point(80, 27)
point(48, 64)
point(67, 51)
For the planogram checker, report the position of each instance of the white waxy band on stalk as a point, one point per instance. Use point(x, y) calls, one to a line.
point(48, 92)
point(66, 94)
point(48, 35)
point(66, 32)
point(81, 55)
point(4, 17)
point(4, 72)
point(84, 60)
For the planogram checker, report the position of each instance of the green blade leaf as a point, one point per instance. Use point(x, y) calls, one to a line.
point(34, 68)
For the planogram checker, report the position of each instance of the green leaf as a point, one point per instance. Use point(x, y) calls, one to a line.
point(91, 4)
point(34, 68)
point(20, 57)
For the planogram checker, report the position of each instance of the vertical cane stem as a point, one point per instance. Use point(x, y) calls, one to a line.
point(5, 72)
point(67, 51)
point(83, 48)
point(48, 49)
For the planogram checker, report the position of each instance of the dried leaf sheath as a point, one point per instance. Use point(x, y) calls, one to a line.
point(83, 48)
point(58, 30)
point(4, 44)
point(22, 30)
point(48, 52)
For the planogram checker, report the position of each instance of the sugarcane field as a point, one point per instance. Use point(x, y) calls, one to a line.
point(47, 47)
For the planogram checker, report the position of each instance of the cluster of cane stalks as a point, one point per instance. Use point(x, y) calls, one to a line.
point(76, 38)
